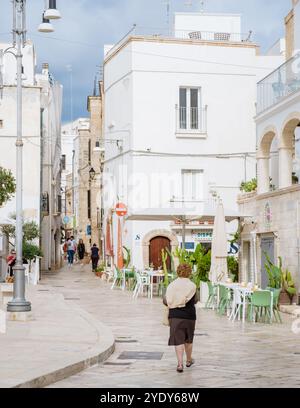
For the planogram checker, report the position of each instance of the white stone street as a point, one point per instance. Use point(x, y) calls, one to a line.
point(227, 355)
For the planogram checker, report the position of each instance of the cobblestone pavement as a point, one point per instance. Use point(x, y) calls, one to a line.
point(227, 354)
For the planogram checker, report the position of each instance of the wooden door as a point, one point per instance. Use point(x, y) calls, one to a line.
point(156, 245)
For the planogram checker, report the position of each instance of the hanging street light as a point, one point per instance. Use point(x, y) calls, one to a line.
point(45, 26)
point(52, 13)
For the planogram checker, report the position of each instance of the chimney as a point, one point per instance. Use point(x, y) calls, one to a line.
point(45, 68)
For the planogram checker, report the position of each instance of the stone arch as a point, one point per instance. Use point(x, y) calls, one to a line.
point(153, 234)
point(263, 159)
point(286, 149)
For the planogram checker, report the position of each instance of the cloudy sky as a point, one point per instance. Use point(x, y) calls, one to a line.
point(77, 44)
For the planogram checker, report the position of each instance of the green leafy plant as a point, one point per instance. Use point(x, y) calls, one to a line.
point(30, 251)
point(274, 272)
point(203, 265)
point(288, 284)
point(164, 258)
point(279, 278)
point(127, 260)
point(7, 185)
point(249, 186)
point(233, 268)
point(173, 269)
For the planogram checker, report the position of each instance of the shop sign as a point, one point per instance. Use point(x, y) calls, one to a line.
point(203, 236)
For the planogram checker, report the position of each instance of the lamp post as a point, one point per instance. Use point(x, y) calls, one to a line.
point(19, 303)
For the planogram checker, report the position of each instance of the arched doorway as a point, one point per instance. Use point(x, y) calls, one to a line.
point(155, 248)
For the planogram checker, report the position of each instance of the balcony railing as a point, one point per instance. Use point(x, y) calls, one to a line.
point(195, 35)
point(281, 83)
point(191, 120)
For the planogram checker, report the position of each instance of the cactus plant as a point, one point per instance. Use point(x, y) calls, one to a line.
point(164, 257)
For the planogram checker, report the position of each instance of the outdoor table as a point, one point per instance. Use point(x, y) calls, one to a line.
point(246, 291)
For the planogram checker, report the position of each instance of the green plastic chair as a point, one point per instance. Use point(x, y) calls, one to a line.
point(212, 295)
point(130, 278)
point(276, 311)
point(224, 300)
point(260, 306)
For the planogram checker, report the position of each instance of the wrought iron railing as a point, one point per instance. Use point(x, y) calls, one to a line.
point(191, 120)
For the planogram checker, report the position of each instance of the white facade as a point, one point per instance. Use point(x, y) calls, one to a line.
point(184, 110)
point(275, 207)
point(42, 99)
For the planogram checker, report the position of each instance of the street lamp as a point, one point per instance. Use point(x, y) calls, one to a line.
point(92, 174)
point(45, 26)
point(52, 13)
point(19, 303)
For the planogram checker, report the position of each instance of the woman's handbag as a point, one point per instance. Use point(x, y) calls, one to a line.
point(166, 321)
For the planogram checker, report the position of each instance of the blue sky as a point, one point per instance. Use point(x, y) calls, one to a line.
point(89, 24)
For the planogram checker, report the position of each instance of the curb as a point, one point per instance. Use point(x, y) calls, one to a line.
point(97, 355)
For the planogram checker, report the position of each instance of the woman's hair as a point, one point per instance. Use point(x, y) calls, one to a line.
point(184, 271)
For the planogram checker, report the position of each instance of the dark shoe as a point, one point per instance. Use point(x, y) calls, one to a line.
point(190, 363)
point(180, 369)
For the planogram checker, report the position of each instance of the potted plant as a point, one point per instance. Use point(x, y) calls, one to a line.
point(100, 270)
point(281, 279)
point(164, 258)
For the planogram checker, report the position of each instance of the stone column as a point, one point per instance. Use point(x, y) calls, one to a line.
point(285, 167)
point(263, 174)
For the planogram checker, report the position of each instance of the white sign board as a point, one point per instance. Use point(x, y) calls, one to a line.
point(1, 243)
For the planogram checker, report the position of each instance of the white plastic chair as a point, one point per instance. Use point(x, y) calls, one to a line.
point(237, 303)
point(142, 282)
point(118, 278)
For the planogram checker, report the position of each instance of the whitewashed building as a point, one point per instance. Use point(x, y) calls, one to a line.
point(179, 126)
point(42, 103)
point(274, 227)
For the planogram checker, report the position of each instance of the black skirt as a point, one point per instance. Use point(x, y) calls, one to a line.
point(182, 331)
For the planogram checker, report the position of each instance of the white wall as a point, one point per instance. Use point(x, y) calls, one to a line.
point(297, 27)
point(142, 84)
point(205, 22)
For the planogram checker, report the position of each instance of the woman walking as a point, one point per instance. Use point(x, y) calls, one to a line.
point(81, 250)
point(95, 257)
point(181, 299)
point(71, 245)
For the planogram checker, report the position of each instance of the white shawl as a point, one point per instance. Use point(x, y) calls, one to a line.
point(180, 292)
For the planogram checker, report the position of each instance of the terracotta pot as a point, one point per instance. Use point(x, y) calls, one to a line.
point(284, 298)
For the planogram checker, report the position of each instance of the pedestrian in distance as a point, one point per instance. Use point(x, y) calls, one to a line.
point(71, 244)
point(95, 257)
point(81, 250)
point(11, 261)
point(181, 297)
